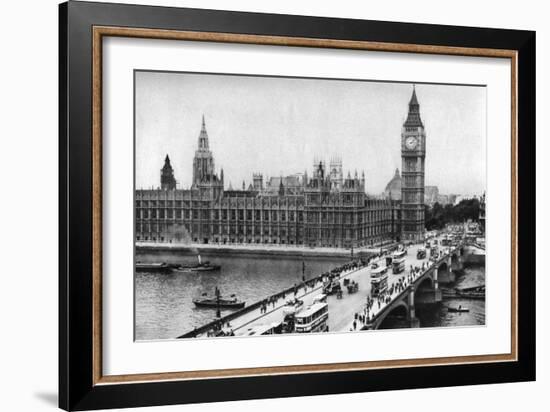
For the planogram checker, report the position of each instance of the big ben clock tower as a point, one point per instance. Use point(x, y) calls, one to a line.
point(413, 154)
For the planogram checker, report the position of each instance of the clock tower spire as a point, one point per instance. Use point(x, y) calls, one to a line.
point(413, 154)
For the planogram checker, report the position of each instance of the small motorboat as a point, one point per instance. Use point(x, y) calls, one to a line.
point(458, 310)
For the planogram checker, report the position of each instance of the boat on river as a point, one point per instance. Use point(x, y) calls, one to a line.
point(162, 267)
point(459, 309)
point(200, 266)
point(232, 303)
point(218, 301)
point(476, 292)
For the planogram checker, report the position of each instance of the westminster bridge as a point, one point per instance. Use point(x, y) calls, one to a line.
point(420, 282)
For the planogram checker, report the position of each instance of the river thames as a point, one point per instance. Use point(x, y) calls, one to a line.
point(164, 307)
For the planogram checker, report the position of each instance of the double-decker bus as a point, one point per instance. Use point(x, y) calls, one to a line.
point(398, 265)
point(313, 319)
point(398, 261)
point(379, 280)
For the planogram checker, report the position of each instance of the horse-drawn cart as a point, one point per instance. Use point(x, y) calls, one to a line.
point(352, 287)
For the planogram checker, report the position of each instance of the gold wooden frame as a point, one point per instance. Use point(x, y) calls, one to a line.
point(101, 31)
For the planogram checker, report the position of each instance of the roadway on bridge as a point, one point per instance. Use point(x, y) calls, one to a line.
point(341, 311)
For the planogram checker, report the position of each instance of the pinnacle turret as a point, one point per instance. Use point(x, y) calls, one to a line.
point(413, 117)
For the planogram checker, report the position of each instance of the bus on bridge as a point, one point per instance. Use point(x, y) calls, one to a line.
point(379, 280)
point(313, 319)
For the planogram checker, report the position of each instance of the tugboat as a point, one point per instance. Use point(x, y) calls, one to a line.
point(218, 301)
point(198, 267)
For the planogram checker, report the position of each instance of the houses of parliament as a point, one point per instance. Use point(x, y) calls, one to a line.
point(323, 208)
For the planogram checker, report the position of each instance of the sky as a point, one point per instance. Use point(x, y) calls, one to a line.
point(277, 126)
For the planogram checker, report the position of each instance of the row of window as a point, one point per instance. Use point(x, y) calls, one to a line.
point(350, 233)
point(205, 204)
point(274, 216)
point(201, 203)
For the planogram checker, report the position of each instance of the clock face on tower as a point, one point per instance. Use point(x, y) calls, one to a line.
point(410, 142)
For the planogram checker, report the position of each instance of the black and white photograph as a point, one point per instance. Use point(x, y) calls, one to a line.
point(283, 205)
point(274, 206)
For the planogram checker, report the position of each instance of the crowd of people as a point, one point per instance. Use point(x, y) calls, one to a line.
point(309, 284)
point(370, 310)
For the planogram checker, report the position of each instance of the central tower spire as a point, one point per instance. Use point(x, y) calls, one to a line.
point(203, 163)
point(203, 136)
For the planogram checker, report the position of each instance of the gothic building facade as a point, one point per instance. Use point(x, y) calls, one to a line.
point(325, 209)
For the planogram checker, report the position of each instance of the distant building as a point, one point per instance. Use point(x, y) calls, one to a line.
point(431, 195)
point(443, 200)
point(459, 198)
point(393, 188)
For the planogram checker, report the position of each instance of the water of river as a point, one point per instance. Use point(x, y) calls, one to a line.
point(436, 314)
point(164, 307)
point(163, 302)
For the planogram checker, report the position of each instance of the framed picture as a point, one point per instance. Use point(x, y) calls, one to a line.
point(257, 205)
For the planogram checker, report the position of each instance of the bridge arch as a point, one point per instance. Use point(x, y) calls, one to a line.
point(456, 261)
point(400, 309)
point(445, 271)
point(426, 283)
